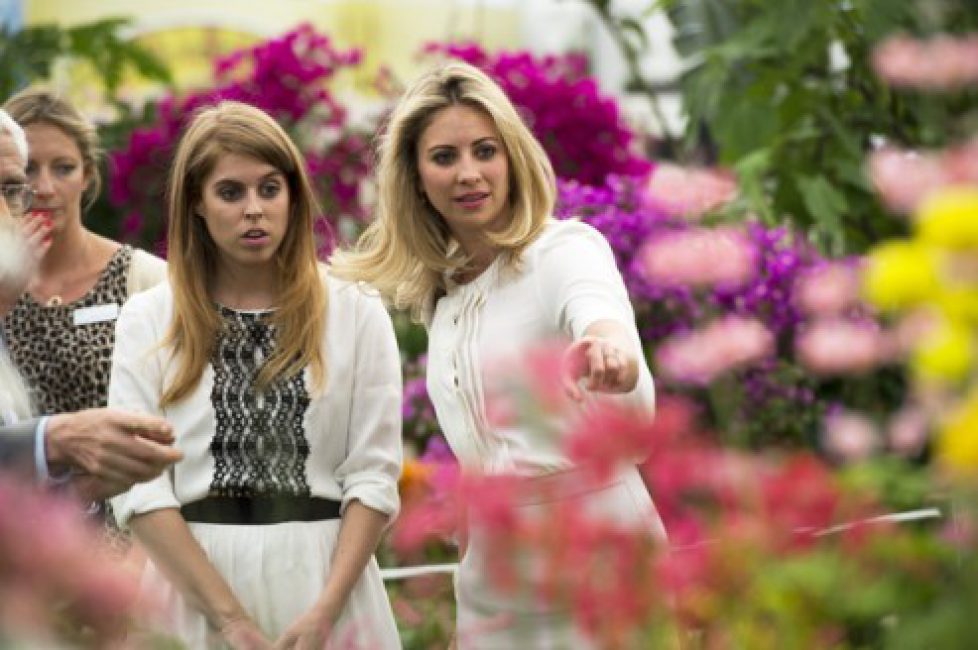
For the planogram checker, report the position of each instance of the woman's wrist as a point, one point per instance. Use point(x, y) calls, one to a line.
point(232, 617)
point(327, 608)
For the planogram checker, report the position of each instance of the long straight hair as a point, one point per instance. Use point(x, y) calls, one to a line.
point(300, 317)
point(406, 250)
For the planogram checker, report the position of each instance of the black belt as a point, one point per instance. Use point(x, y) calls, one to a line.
point(260, 510)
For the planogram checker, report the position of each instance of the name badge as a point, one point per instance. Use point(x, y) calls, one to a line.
point(96, 314)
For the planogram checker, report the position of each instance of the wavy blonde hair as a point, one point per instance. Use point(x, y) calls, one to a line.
point(39, 105)
point(300, 317)
point(407, 249)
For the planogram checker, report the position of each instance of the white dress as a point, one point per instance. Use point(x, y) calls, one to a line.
point(341, 444)
point(567, 280)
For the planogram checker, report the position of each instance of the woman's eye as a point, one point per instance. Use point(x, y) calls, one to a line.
point(485, 152)
point(64, 169)
point(31, 169)
point(269, 190)
point(228, 193)
point(443, 157)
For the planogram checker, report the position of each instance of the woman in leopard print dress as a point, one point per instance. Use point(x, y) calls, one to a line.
point(60, 333)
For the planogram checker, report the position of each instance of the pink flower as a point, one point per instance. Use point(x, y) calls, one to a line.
point(907, 431)
point(700, 356)
point(435, 514)
point(539, 373)
point(828, 289)
point(798, 498)
point(907, 333)
point(701, 256)
point(850, 436)
point(960, 531)
point(943, 62)
point(611, 435)
point(690, 192)
point(839, 346)
point(56, 578)
point(961, 163)
point(904, 178)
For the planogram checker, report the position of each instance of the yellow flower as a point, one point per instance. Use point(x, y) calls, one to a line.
point(900, 274)
point(957, 445)
point(415, 476)
point(949, 218)
point(947, 352)
point(958, 303)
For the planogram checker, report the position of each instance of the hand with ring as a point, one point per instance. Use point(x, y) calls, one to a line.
point(602, 363)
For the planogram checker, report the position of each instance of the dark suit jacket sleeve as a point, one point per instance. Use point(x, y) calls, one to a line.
point(17, 446)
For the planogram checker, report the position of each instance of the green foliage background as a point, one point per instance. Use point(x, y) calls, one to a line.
point(784, 93)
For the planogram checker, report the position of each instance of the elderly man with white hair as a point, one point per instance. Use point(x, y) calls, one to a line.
point(98, 452)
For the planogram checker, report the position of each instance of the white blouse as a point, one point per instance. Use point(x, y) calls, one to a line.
point(353, 427)
point(481, 331)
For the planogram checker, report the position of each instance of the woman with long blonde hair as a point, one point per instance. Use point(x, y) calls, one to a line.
point(283, 385)
point(465, 239)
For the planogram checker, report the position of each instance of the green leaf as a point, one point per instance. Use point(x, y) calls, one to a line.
point(701, 23)
point(27, 55)
point(752, 171)
point(826, 205)
point(849, 140)
point(792, 21)
point(744, 126)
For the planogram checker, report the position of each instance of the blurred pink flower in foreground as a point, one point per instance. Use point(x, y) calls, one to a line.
point(827, 290)
point(939, 63)
point(701, 256)
point(633, 435)
point(907, 431)
point(700, 356)
point(904, 178)
point(58, 583)
point(907, 333)
point(690, 192)
point(430, 513)
point(839, 346)
point(850, 437)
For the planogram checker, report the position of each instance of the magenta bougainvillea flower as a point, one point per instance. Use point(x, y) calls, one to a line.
point(582, 130)
point(288, 78)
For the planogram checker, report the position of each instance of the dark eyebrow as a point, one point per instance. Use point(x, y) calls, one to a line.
point(475, 143)
point(435, 147)
point(269, 176)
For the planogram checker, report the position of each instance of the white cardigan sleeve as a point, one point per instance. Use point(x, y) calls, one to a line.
point(578, 281)
point(136, 385)
point(579, 284)
point(145, 271)
point(372, 466)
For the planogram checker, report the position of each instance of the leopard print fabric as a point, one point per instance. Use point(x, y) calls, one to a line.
point(67, 367)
